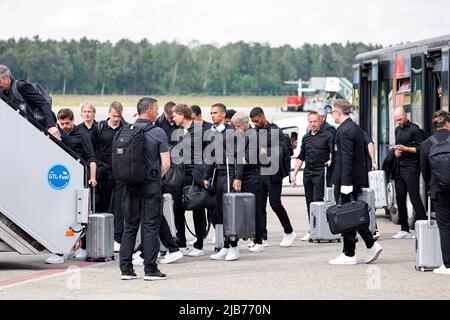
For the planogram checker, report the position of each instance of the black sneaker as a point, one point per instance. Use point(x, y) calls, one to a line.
point(129, 275)
point(155, 275)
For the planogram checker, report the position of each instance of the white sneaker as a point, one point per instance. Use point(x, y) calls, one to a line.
point(221, 255)
point(373, 253)
point(250, 244)
point(265, 243)
point(196, 252)
point(138, 261)
point(288, 239)
point(343, 259)
point(442, 270)
point(306, 237)
point(116, 246)
point(171, 257)
point(402, 235)
point(233, 254)
point(184, 251)
point(81, 255)
point(256, 248)
point(55, 259)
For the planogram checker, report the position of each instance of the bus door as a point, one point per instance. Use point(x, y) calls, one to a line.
point(368, 99)
point(433, 86)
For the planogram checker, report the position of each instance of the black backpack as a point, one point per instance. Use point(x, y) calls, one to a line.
point(128, 163)
point(37, 113)
point(439, 158)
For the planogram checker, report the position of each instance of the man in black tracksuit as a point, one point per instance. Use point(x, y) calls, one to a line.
point(142, 203)
point(219, 139)
point(348, 175)
point(190, 149)
point(33, 101)
point(408, 138)
point(315, 151)
point(251, 173)
point(439, 193)
point(272, 183)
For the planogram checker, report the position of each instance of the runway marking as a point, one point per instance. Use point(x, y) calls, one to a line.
point(41, 275)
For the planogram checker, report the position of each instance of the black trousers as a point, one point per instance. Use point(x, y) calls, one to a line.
point(272, 189)
point(408, 182)
point(442, 207)
point(105, 189)
point(164, 236)
point(198, 216)
point(252, 185)
point(221, 189)
point(313, 182)
point(141, 205)
point(178, 211)
point(350, 237)
point(117, 211)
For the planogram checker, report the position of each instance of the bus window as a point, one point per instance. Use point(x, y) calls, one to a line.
point(417, 115)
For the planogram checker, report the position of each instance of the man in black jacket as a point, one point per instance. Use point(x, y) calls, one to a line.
point(33, 99)
point(165, 122)
point(348, 175)
point(439, 192)
point(272, 183)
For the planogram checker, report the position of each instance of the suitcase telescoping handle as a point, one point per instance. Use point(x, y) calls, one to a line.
point(429, 210)
point(325, 180)
point(93, 200)
point(228, 175)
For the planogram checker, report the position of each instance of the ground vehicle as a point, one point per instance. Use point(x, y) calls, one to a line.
point(406, 75)
point(317, 92)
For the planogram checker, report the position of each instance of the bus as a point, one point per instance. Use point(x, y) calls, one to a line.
point(413, 75)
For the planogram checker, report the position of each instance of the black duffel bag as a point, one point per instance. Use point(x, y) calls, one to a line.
point(173, 181)
point(348, 216)
point(196, 197)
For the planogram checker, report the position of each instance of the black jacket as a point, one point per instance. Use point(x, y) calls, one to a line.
point(33, 99)
point(348, 159)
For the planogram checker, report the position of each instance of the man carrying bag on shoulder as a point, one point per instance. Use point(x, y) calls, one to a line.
point(348, 174)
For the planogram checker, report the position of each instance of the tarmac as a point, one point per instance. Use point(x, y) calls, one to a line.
point(293, 273)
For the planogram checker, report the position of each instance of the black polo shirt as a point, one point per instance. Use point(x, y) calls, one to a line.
point(85, 129)
point(168, 128)
point(409, 136)
point(316, 149)
point(81, 144)
point(103, 137)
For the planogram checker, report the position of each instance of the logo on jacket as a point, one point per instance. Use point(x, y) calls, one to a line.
point(58, 177)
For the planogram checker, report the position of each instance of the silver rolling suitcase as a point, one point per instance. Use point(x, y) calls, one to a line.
point(377, 182)
point(168, 213)
point(238, 214)
point(368, 196)
point(100, 235)
point(428, 243)
point(319, 229)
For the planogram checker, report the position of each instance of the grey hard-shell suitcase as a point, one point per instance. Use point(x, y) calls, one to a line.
point(428, 243)
point(319, 229)
point(377, 182)
point(238, 214)
point(168, 213)
point(100, 237)
point(368, 196)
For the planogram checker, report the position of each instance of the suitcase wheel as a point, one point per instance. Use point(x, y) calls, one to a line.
point(311, 240)
point(417, 268)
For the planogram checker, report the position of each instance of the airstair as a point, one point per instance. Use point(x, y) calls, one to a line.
point(44, 205)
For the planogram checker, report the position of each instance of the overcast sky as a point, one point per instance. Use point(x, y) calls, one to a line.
point(276, 22)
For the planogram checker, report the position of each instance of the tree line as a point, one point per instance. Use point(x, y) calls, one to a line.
point(88, 66)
